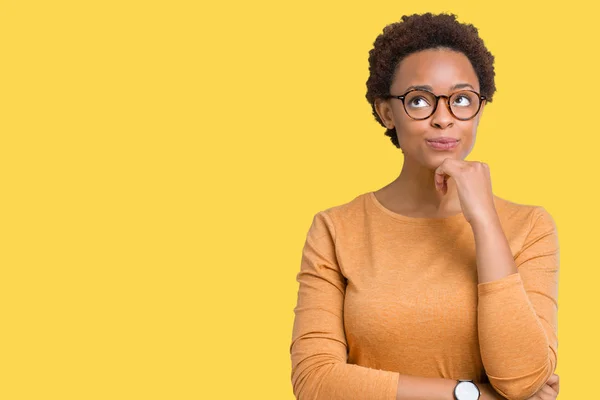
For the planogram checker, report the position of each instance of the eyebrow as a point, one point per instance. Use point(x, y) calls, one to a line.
point(427, 87)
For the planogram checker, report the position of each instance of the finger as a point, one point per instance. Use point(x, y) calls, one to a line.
point(441, 182)
point(446, 169)
point(536, 396)
point(556, 387)
point(552, 380)
point(439, 179)
point(548, 392)
point(443, 187)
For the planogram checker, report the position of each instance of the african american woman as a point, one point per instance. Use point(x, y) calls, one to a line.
point(430, 287)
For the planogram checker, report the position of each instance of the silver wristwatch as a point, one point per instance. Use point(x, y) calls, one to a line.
point(466, 389)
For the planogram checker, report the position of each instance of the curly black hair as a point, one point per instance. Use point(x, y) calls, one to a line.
point(418, 32)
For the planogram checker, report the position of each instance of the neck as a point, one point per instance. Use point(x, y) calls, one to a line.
point(415, 190)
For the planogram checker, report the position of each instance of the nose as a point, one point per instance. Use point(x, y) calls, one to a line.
point(442, 117)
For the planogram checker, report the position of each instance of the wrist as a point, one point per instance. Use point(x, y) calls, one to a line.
point(484, 223)
point(488, 392)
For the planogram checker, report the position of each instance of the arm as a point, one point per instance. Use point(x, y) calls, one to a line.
point(319, 348)
point(517, 311)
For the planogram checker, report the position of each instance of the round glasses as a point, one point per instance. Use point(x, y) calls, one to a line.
point(421, 104)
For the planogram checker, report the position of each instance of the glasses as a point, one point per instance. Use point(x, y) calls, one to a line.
point(421, 104)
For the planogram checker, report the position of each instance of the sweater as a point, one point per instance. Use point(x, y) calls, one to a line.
point(382, 294)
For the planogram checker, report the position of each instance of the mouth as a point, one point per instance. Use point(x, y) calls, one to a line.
point(445, 144)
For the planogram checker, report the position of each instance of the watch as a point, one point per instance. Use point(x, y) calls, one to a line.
point(466, 389)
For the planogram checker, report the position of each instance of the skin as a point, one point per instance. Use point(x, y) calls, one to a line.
point(434, 184)
point(441, 69)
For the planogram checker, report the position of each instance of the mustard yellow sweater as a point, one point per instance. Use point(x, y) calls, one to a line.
point(382, 293)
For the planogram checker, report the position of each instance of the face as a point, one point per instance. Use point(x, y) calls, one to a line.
point(441, 69)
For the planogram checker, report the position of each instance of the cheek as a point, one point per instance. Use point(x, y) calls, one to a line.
point(411, 129)
point(468, 135)
point(411, 133)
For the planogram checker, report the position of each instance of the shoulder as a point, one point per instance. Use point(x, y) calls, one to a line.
point(333, 219)
point(523, 216)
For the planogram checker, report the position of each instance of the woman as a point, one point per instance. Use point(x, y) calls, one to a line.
point(431, 287)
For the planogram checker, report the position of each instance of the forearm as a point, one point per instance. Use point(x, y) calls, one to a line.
point(517, 345)
point(494, 256)
point(421, 388)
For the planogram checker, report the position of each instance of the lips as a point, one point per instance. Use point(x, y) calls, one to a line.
point(443, 140)
point(442, 146)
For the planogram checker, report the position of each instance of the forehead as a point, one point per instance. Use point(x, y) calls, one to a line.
point(439, 68)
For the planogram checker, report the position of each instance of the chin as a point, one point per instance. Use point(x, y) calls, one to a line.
point(435, 160)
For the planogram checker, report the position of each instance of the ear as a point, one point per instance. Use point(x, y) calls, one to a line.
point(384, 110)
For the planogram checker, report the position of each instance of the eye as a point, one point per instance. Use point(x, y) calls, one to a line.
point(462, 100)
point(415, 102)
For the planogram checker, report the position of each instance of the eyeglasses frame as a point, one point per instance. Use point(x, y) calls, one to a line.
point(437, 101)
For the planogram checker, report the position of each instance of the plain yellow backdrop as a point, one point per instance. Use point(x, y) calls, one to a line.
point(162, 160)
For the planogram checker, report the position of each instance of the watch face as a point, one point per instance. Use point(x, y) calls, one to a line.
point(466, 391)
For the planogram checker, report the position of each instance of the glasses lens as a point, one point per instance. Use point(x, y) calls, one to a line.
point(419, 104)
point(464, 104)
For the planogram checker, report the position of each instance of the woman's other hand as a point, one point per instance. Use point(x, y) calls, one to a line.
point(548, 392)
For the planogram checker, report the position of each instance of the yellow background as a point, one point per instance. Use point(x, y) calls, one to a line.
point(162, 161)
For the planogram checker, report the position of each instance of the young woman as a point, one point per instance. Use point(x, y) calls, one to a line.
point(431, 287)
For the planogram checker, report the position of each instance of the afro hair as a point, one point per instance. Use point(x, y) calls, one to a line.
point(418, 32)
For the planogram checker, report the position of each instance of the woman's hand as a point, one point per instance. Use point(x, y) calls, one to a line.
point(474, 187)
point(549, 391)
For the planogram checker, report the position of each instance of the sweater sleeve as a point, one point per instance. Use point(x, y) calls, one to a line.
point(319, 348)
point(517, 315)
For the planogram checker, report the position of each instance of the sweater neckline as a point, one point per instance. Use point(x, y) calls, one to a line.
point(415, 220)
